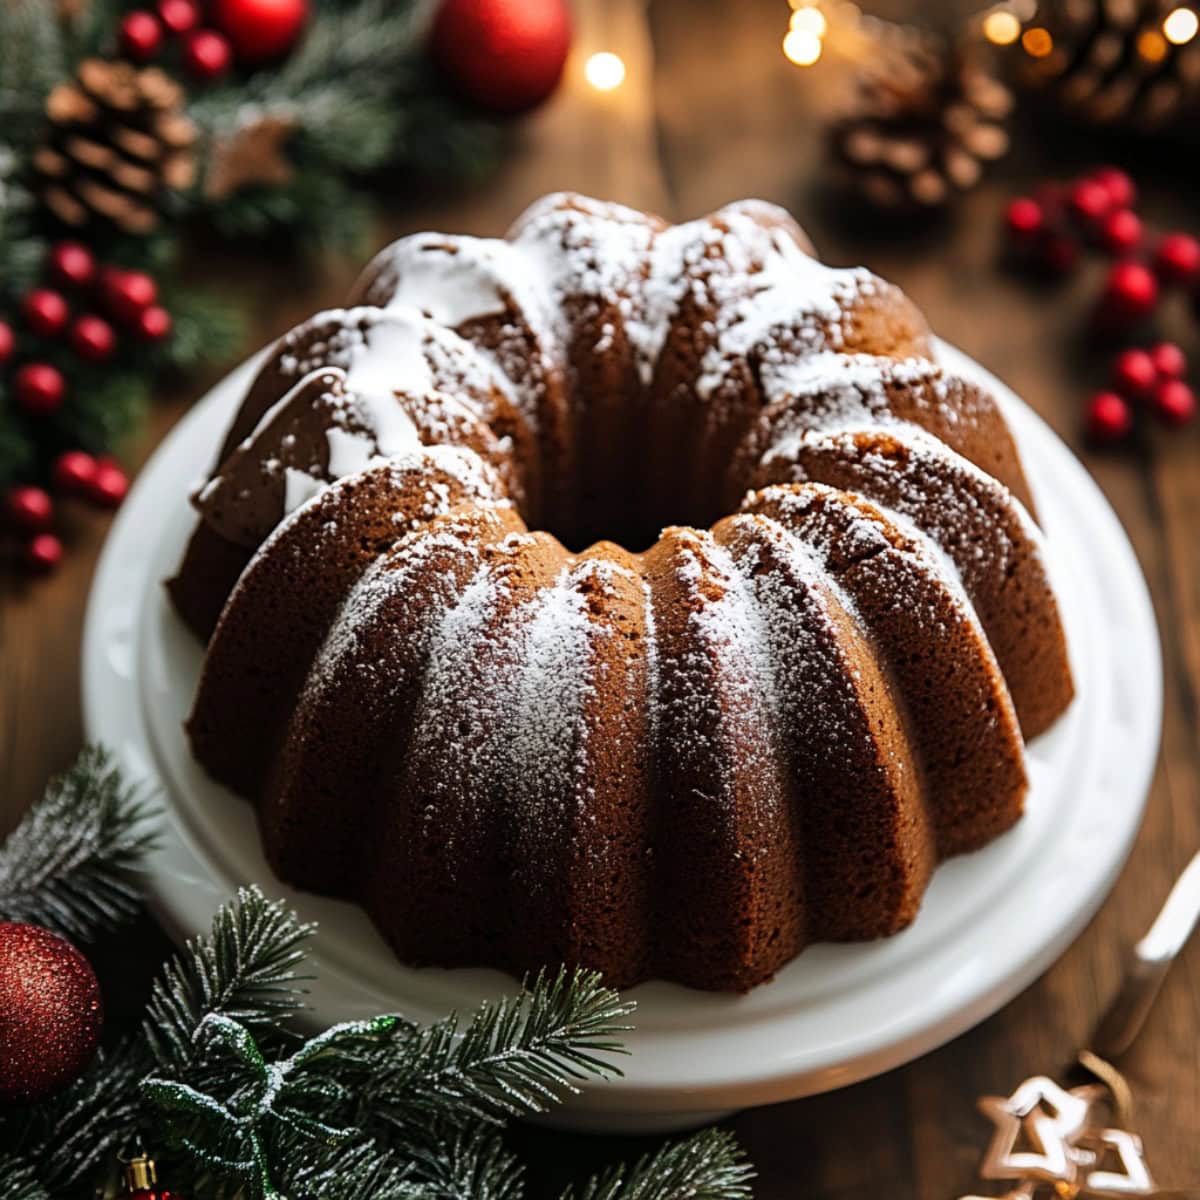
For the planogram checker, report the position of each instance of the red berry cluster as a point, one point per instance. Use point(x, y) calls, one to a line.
point(207, 54)
point(1052, 228)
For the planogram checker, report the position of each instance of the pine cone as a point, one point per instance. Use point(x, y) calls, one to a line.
point(118, 145)
point(1114, 63)
point(922, 128)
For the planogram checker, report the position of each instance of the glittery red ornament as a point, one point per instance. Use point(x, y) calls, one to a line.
point(1169, 360)
point(1089, 202)
point(8, 342)
point(1025, 219)
point(92, 338)
point(179, 16)
point(40, 388)
point(505, 55)
point(45, 312)
point(109, 484)
point(127, 294)
point(1122, 193)
point(260, 30)
point(207, 54)
point(1174, 402)
point(1108, 418)
point(1134, 374)
point(74, 471)
point(72, 263)
point(1121, 231)
point(1130, 293)
point(141, 35)
point(153, 323)
point(30, 508)
point(1177, 258)
point(50, 1011)
point(42, 554)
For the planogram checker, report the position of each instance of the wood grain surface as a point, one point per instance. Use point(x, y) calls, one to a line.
point(712, 112)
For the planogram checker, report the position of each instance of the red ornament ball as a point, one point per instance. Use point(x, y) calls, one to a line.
point(92, 338)
point(260, 30)
point(1174, 402)
point(30, 508)
point(207, 54)
point(179, 16)
point(40, 388)
point(1130, 293)
point(141, 35)
point(74, 471)
point(42, 554)
point(1108, 417)
point(8, 343)
point(109, 485)
point(1134, 374)
point(1121, 232)
point(45, 311)
point(1024, 218)
point(72, 263)
point(127, 294)
point(1122, 192)
point(1169, 360)
point(153, 324)
point(1089, 202)
point(1177, 258)
point(50, 1007)
point(505, 55)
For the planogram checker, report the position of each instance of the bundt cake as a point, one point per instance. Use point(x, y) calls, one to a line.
point(682, 752)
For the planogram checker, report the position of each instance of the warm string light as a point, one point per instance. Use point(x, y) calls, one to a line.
point(1002, 26)
point(1180, 25)
point(805, 38)
point(605, 71)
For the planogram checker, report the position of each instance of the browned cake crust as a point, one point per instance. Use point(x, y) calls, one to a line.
point(517, 745)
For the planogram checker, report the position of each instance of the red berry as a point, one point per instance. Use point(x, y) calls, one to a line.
point(46, 312)
point(92, 338)
point(1120, 188)
point(153, 324)
point(179, 16)
point(109, 485)
point(1089, 201)
point(1134, 374)
point(1121, 232)
point(1025, 218)
point(207, 53)
point(1169, 360)
point(73, 264)
point(30, 508)
point(1108, 417)
point(1177, 258)
point(1174, 402)
point(7, 342)
point(127, 294)
point(1130, 292)
point(141, 35)
point(40, 388)
point(74, 471)
point(44, 553)
point(261, 30)
point(1059, 253)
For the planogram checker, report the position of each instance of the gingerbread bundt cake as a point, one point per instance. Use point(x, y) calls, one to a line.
point(683, 756)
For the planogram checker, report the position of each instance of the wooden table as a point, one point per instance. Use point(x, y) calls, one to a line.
point(711, 111)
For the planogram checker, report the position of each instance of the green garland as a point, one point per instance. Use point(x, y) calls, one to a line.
point(361, 103)
point(242, 1106)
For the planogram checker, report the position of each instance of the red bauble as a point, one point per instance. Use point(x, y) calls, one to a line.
point(207, 54)
point(1025, 218)
point(30, 508)
point(1174, 402)
point(141, 35)
point(1089, 202)
point(153, 324)
point(50, 1010)
point(1121, 232)
point(109, 484)
point(260, 30)
point(1130, 293)
point(45, 311)
point(127, 293)
point(74, 471)
point(42, 554)
point(8, 342)
point(1108, 418)
point(1177, 258)
point(1169, 360)
point(505, 55)
point(40, 388)
point(73, 263)
point(1134, 374)
point(1120, 187)
point(92, 338)
point(179, 16)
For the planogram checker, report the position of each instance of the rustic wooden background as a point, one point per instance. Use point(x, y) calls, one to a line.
point(711, 112)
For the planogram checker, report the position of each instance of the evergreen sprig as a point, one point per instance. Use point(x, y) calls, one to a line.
point(67, 866)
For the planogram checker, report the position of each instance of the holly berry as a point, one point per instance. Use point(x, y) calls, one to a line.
point(45, 312)
point(1130, 293)
point(128, 293)
point(141, 35)
point(109, 485)
point(1089, 202)
point(1177, 258)
point(8, 342)
point(73, 263)
point(260, 30)
point(207, 54)
point(1025, 218)
point(153, 323)
point(1122, 193)
point(1121, 232)
point(74, 471)
point(179, 16)
point(43, 553)
point(1108, 417)
point(30, 508)
point(1168, 359)
point(40, 388)
point(1174, 402)
point(1134, 374)
point(92, 338)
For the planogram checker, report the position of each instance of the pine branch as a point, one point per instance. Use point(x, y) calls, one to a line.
point(208, 329)
point(33, 58)
point(515, 1056)
point(19, 1181)
point(103, 406)
point(466, 1164)
point(245, 969)
point(66, 865)
point(707, 1166)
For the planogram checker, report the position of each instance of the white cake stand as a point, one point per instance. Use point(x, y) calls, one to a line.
point(991, 922)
